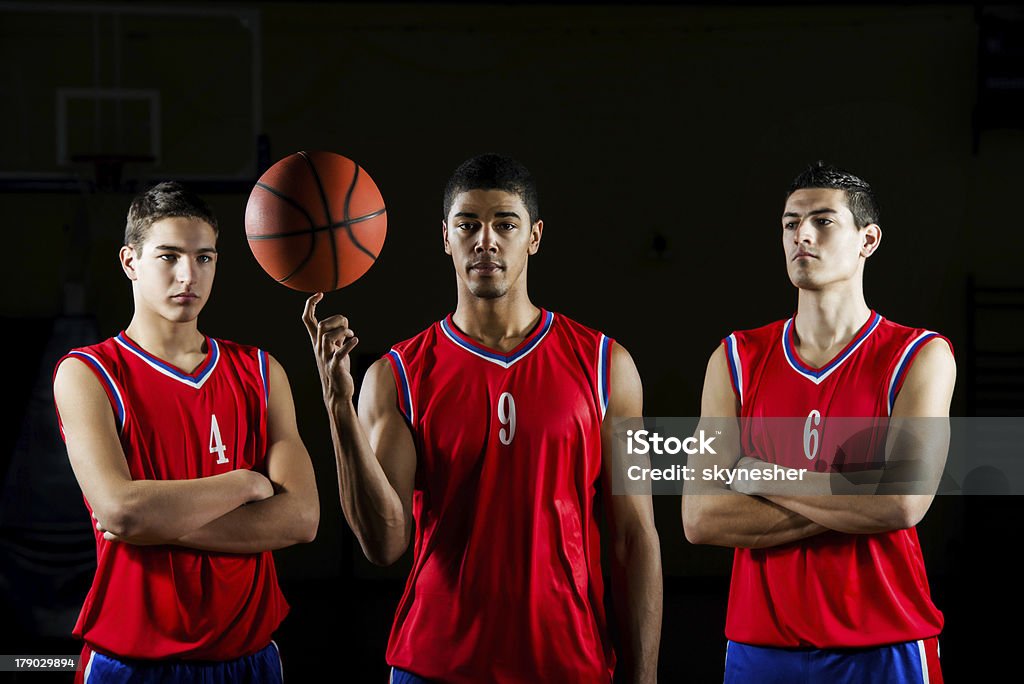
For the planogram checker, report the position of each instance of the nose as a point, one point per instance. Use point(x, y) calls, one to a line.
point(804, 233)
point(186, 271)
point(486, 240)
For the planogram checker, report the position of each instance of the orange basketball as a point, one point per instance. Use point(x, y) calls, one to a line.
point(315, 221)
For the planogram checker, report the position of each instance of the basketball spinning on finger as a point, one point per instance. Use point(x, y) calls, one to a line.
point(315, 221)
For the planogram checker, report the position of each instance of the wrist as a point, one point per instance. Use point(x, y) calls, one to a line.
point(341, 409)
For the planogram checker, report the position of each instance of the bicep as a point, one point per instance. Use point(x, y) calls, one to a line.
point(90, 433)
point(287, 465)
point(928, 388)
point(625, 405)
point(388, 433)
point(918, 438)
point(719, 411)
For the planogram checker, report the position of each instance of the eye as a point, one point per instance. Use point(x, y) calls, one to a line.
point(168, 257)
point(204, 258)
point(824, 222)
point(789, 225)
point(507, 226)
point(466, 226)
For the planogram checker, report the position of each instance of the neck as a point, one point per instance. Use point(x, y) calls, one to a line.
point(500, 323)
point(162, 338)
point(831, 315)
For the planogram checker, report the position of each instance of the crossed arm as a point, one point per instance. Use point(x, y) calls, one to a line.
point(765, 513)
point(241, 511)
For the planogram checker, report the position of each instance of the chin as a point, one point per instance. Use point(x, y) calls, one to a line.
point(488, 292)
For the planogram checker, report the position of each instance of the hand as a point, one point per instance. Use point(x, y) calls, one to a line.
point(332, 341)
point(260, 487)
point(111, 537)
point(742, 483)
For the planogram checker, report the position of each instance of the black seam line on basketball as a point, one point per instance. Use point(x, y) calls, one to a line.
point(305, 260)
point(347, 223)
point(277, 193)
point(318, 229)
point(327, 215)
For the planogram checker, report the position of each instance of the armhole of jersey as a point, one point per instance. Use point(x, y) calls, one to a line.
point(402, 385)
point(264, 362)
point(114, 393)
point(732, 356)
point(604, 366)
point(899, 373)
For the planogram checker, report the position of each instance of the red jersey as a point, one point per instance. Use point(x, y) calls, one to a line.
point(832, 590)
point(170, 601)
point(506, 580)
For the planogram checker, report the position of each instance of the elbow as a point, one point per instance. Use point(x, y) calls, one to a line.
point(641, 540)
point(121, 518)
point(308, 524)
point(693, 525)
point(698, 526)
point(385, 553)
point(383, 557)
point(909, 511)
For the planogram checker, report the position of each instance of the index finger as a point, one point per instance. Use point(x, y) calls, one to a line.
point(309, 313)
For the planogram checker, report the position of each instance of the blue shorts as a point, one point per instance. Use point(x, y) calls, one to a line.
point(262, 667)
point(403, 677)
point(911, 662)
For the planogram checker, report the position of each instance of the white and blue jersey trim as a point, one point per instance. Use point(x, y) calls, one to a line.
point(503, 360)
point(904, 363)
point(119, 408)
point(732, 355)
point(604, 364)
point(404, 391)
point(194, 381)
point(817, 376)
point(265, 377)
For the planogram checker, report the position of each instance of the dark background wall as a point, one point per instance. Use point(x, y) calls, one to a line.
point(679, 122)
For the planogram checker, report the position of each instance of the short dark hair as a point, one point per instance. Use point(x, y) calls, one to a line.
point(169, 199)
point(493, 172)
point(859, 195)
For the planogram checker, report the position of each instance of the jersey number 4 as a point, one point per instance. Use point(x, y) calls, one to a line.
point(216, 443)
point(507, 417)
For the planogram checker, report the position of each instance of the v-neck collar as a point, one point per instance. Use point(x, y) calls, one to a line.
point(195, 379)
point(503, 359)
point(817, 375)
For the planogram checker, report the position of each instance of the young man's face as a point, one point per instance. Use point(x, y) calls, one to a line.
point(489, 236)
point(173, 269)
point(822, 242)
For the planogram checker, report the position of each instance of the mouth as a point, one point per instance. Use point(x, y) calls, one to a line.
point(804, 255)
point(185, 298)
point(486, 267)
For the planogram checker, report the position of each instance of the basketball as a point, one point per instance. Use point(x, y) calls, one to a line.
point(315, 221)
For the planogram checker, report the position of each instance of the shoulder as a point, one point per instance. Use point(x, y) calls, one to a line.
point(760, 335)
point(424, 339)
point(910, 341)
point(101, 358)
point(573, 327)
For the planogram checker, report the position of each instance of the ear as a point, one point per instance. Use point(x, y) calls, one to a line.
point(128, 257)
point(444, 236)
point(535, 232)
point(871, 238)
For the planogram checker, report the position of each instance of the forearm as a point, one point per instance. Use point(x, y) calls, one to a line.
point(637, 592)
point(161, 511)
point(282, 520)
point(829, 499)
point(863, 514)
point(370, 503)
point(736, 520)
